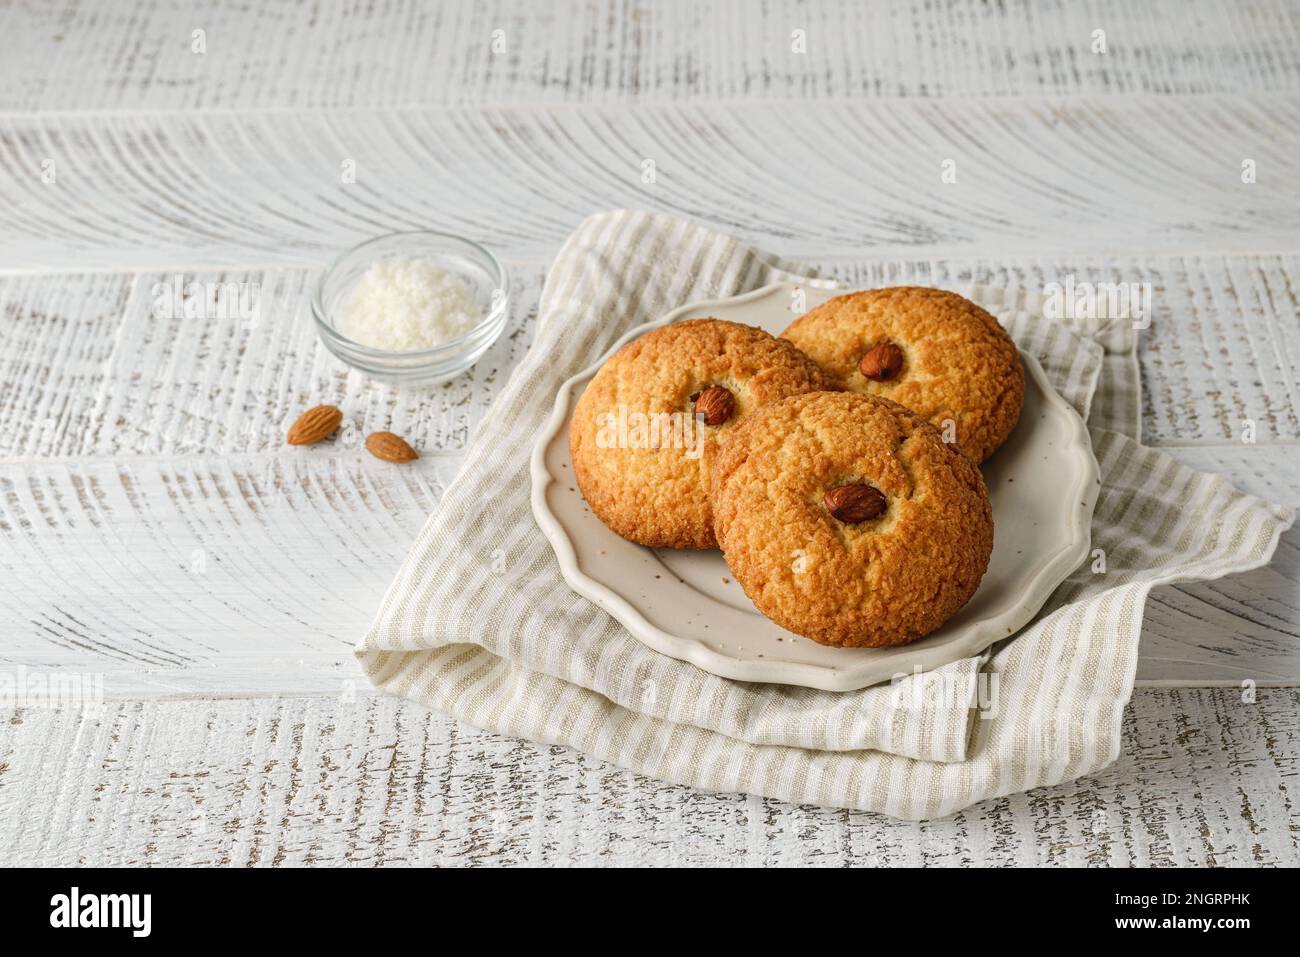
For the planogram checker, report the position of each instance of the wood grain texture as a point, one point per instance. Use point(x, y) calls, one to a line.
point(1103, 176)
point(89, 368)
point(144, 453)
point(93, 367)
point(250, 573)
point(75, 55)
point(1204, 779)
point(1244, 627)
point(224, 574)
point(139, 455)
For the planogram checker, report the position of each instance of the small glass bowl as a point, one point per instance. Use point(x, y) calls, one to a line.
point(480, 270)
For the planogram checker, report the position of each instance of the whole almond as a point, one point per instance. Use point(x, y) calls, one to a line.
point(716, 404)
point(855, 503)
point(882, 362)
point(316, 423)
point(390, 447)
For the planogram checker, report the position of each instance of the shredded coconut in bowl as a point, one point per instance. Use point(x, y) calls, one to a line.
point(403, 305)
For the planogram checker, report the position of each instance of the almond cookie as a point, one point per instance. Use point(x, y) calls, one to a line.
point(645, 432)
point(936, 352)
point(847, 519)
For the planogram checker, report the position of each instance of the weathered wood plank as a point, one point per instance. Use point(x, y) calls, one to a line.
point(245, 574)
point(135, 443)
point(139, 455)
point(88, 367)
point(104, 365)
point(1204, 778)
point(1032, 177)
point(1244, 628)
point(77, 56)
point(224, 574)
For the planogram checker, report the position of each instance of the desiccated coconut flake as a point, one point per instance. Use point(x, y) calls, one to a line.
point(403, 305)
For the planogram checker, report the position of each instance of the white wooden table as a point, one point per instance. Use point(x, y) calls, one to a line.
point(159, 543)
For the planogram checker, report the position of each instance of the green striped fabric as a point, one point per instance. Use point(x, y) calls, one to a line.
point(479, 623)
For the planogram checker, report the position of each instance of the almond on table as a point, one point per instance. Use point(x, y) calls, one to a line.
point(390, 447)
point(318, 422)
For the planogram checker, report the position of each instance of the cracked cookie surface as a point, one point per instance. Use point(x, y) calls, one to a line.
point(886, 580)
point(951, 361)
point(646, 476)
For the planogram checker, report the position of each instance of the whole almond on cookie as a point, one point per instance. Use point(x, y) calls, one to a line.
point(852, 504)
point(882, 363)
point(390, 447)
point(927, 523)
point(955, 364)
point(315, 424)
point(716, 404)
point(697, 381)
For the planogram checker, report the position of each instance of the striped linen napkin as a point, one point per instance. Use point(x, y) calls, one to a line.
point(479, 623)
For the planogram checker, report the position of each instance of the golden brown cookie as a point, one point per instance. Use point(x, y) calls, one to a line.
point(847, 519)
point(646, 430)
point(936, 352)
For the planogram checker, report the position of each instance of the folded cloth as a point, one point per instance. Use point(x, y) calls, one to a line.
point(479, 623)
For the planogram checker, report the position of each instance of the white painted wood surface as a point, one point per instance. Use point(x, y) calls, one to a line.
point(1102, 175)
point(289, 56)
point(156, 536)
point(1204, 779)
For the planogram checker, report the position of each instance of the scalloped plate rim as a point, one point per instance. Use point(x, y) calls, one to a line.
point(974, 640)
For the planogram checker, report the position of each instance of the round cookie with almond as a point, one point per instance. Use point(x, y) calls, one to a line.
point(847, 519)
point(934, 351)
point(646, 430)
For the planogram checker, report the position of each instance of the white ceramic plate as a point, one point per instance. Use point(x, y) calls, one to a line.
point(1043, 484)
